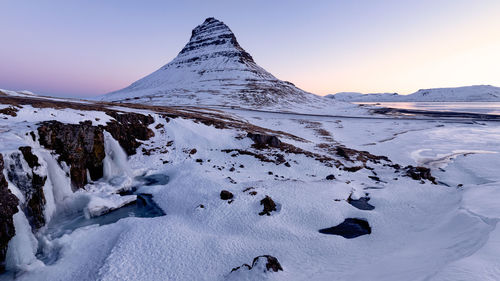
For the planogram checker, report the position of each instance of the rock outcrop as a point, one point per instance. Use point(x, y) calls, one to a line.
point(30, 183)
point(11, 111)
point(129, 129)
point(419, 173)
point(81, 146)
point(264, 264)
point(263, 140)
point(269, 206)
point(226, 195)
point(8, 207)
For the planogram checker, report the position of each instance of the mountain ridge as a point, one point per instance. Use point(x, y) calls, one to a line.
point(475, 93)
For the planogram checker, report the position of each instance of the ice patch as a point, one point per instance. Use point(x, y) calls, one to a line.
point(99, 205)
point(115, 162)
point(22, 247)
point(430, 158)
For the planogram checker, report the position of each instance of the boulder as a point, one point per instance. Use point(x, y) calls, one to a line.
point(330, 177)
point(266, 263)
point(269, 206)
point(226, 195)
point(419, 173)
point(263, 140)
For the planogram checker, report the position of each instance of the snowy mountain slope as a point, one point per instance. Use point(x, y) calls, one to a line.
point(480, 93)
point(213, 69)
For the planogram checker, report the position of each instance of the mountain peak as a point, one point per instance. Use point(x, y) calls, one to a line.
point(213, 69)
point(215, 37)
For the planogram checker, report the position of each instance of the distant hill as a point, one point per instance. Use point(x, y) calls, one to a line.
point(478, 93)
point(354, 96)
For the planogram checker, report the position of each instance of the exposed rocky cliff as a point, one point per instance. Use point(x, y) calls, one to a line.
point(30, 183)
point(8, 207)
point(81, 146)
point(129, 129)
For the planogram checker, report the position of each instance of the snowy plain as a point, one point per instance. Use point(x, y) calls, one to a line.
point(419, 231)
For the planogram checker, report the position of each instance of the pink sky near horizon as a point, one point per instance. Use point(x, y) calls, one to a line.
point(80, 48)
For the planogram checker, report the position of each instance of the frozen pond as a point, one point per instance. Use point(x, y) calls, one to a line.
point(466, 107)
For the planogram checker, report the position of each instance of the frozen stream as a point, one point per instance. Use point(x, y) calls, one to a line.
point(66, 223)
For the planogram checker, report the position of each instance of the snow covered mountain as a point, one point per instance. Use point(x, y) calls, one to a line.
point(478, 93)
point(355, 96)
point(213, 69)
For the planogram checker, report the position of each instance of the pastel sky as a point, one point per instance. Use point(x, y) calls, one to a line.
point(87, 48)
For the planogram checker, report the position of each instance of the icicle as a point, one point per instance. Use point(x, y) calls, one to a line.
point(22, 247)
point(115, 163)
point(61, 184)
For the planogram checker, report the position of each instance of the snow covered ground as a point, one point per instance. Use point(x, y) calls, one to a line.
point(419, 231)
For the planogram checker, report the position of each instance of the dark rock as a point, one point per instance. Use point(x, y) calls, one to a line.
point(30, 158)
point(31, 186)
point(193, 151)
point(280, 159)
point(356, 155)
point(341, 152)
point(271, 264)
point(350, 228)
point(330, 177)
point(226, 195)
point(202, 37)
point(128, 128)
point(262, 140)
point(419, 173)
point(269, 206)
point(12, 111)
point(36, 203)
point(361, 203)
point(253, 193)
point(199, 160)
point(81, 146)
point(353, 169)
point(8, 207)
point(287, 164)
